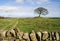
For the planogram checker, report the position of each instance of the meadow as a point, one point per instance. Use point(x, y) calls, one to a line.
point(29, 24)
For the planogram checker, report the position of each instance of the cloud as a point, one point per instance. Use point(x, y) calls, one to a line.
point(42, 1)
point(26, 9)
point(8, 9)
point(32, 1)
point(16, 9)
point(19, 1)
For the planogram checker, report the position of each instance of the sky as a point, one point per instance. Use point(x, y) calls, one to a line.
point(25, 8)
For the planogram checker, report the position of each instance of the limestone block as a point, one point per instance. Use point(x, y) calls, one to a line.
point(57, 36)
point(26, 36)
point(45, 35)
point(33, 36)
point(38, 36)
point(53, 35)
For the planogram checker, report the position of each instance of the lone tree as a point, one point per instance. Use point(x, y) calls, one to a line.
point(41, 11)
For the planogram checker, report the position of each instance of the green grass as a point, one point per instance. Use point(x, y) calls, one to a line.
point(29, 24)
point(7, 23)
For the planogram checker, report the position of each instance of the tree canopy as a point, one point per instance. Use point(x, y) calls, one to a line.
point(41, 11)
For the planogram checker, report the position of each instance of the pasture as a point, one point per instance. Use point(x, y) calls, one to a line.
point(29, 24)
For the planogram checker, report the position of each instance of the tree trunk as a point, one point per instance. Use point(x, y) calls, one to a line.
point(39, 15)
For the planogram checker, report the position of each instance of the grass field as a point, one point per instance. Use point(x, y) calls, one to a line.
point(29, 24)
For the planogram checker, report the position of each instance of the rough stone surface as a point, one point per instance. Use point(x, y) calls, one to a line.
point(50, 36)
point(33, 36)
point(26, 36)
point(57, 36)
point(12, 32)
point(3, 34)
point(17, 40)
point(20, 36)
point(53, 36)
point(11, 35)
point(45, 35)
point(39, 36)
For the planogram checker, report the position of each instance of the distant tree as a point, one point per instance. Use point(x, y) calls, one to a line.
point(41, 11)
point(1, 17)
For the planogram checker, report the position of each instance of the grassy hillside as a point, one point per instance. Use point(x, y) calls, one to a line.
point(1, 17)
point(29, 24)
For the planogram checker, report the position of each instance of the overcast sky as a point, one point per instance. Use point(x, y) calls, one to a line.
point(25, 8)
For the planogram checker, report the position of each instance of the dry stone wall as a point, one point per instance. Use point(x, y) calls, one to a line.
point(16, 35)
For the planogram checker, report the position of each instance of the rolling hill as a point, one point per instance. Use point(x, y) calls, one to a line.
point(29, 24)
